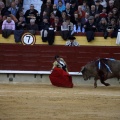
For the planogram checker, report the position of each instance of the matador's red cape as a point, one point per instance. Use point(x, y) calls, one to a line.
point(60, 78)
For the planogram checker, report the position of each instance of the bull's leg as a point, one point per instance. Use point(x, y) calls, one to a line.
point(106, 84)
point(102, 78)
point(95, 82)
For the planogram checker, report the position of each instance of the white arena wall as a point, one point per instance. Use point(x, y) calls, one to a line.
point(44, 79)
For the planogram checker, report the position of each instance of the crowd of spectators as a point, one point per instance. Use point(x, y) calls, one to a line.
point(74, 15)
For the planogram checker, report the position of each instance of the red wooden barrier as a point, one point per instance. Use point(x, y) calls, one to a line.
point(41, 57)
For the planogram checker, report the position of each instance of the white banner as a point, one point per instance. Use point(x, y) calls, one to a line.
point(36, 3)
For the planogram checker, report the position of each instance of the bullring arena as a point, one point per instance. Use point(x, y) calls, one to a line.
point(26, 93)
point(26, 100)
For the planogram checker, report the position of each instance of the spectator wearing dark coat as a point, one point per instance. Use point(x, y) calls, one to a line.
point(73, 7)
point(32, 25)
point(56, 11)
point(113, 28)
point(85, 19)
point(99, 7)
point(44, 24)
point(30, 14)
point(4, 11)
point(110, 6)
point(68, 10)
point(90, 28)
point(102, 25)
point(92, 10)
point(48, 6)
point(90, 25)
point(90, 2)
point(103, 14)
point(21, 25)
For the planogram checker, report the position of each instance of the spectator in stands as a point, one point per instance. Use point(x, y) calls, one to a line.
point(97, 18)
point(109, 17)
point(60, 63)
point(68, 10)
point(67, 25)
point(30, 14)
point(98, 6)
point(52, 16)
point(44, 24)
point(56, 11)
point(21, 25)
point(4, 11)
point(90, 25)
point(48, 7)
point(103, 13)
point(8, 24)
point(113, 28)
point(103, 3)
point(73, 7)
point(92, 10)
point(56, 2)
point(81, 13)
point(61, 6)
point(7, 3)
point(102, 25)
point(75, 18)
point(110, 6)
point(13, 8)
point(67, 29)
point(18, 5)
point(117, 4)
point(56, 24)
point(44, 14)
point(90, 3)
point(78, 26)
point(85, 19)
point(63, 17)
point(32, 25)
point(71, 41)
point(79, 2)
point(85, 7)
point(115, 13)
point(20, 13)
point(90, 28)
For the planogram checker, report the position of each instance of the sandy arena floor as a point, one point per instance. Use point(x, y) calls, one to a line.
point(47, 102)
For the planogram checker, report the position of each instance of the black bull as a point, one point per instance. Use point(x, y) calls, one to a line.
point(102, 69)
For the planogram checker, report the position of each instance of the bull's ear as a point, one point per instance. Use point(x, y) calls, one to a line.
point(82, 69)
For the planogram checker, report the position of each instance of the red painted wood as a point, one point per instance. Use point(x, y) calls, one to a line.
point(41, 57)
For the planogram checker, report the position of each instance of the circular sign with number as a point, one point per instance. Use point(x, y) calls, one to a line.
point(28, 39)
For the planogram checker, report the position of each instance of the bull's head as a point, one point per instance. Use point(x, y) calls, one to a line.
point(85, 73)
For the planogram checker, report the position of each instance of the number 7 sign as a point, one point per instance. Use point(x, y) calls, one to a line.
point(28, 39)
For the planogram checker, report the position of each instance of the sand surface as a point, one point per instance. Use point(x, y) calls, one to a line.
point(47, 102)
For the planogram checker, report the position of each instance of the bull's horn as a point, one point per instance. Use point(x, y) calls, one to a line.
point(82, 68)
